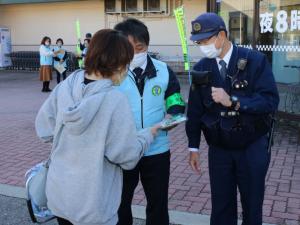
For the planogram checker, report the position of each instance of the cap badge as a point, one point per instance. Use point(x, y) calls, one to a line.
point(197, 27)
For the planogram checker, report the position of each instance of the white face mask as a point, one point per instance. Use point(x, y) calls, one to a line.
point(210, 51)
point(138, 60)
point(59, 44)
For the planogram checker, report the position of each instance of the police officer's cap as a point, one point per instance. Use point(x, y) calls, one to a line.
point(206, 25)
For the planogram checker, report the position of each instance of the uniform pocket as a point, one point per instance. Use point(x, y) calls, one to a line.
point(235, 135)
point(211, 129)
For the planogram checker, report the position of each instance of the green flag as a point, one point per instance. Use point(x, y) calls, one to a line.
point(78, 50)
point(180, 20)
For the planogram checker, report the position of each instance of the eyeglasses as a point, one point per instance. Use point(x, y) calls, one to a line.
point(205, 41)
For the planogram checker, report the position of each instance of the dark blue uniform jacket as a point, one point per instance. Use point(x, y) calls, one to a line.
point(258, 100)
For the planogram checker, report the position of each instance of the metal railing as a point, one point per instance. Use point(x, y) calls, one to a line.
point(26, 57)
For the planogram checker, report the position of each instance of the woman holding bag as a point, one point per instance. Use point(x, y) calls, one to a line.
point(94, 135)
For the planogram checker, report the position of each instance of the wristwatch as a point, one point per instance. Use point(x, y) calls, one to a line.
point(235, 103)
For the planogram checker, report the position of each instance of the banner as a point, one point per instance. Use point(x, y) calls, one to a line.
point(5, 47)
point(180, 20)
point(78, 34)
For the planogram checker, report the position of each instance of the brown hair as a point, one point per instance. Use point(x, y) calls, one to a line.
point(45, 39)
point(109, 51)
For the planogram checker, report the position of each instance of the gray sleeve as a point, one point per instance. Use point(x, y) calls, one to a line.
point(46, 118)
point(124, 145)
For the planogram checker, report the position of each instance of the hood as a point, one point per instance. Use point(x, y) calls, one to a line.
point(82, 101)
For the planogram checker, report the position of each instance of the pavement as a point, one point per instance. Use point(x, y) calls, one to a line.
point(189, 193)
point(14, 212)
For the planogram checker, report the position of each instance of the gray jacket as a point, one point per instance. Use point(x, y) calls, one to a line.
point(94, 138)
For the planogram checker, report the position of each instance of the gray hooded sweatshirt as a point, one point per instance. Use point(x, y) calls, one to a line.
point(94, 138)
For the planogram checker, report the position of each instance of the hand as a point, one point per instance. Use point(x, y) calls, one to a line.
point(61, 61)
point(169, 128)
point(195, 161)
point(220, 96)
point(57, 52)
point(155, 129)
point(168, 116)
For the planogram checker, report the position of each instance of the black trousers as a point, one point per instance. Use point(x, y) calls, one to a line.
point(62, 221)
point(154, 172)
point(245, 170)
point(58, 75)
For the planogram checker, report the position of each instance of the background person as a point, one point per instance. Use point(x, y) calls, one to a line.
point(46, 62)
point(85, 50)
point(87, 36)
point(60, 59)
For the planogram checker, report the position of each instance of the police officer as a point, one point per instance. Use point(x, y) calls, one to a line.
point(232, 100)
point(153, 91)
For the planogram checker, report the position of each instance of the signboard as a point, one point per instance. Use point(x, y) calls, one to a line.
point(5, 47)
point(282, 22)
point(4, 2)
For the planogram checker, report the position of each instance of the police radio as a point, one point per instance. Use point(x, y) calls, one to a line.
point(237, 83)
point(201, 78)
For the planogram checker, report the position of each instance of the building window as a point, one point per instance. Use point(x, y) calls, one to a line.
point(110, 5)
point(279, 37)
point(274, 28)
point(151, 5)
point(238, 18)
point(139, 6)
point(129, 6)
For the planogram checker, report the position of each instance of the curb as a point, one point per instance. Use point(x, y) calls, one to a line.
point(176, 217)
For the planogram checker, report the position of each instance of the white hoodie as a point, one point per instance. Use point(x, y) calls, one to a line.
point(94, 137)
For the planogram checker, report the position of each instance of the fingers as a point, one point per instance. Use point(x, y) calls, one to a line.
point(158, 126)
point(215, 96)
point(195, 166)
point(155, 129)
point(194, 161)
